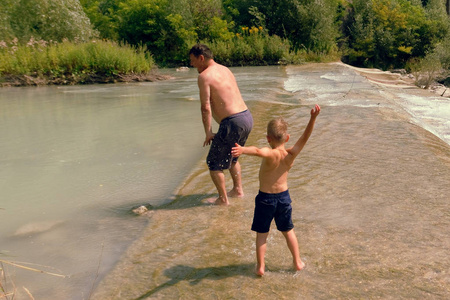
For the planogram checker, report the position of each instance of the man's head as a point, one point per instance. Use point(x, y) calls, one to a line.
point(277, 132)
point(201, 49)
point(200, 55)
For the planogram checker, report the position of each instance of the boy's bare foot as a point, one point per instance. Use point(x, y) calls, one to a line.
point(235, 193)
point(259, 270)
point(299, 266)
point(217, 201)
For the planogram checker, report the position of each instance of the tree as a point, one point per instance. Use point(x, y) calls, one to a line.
point(158, 26)
point(49, 20)
point(309, 24)
point(102, 15)
point(387, 33)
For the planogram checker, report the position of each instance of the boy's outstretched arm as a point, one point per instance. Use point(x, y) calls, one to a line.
point(250, 150)
point(295, 150)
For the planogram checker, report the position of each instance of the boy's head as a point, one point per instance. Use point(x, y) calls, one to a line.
point(277, 131)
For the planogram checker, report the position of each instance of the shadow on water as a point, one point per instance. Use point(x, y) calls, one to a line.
point(178, 202)
point(196, 275)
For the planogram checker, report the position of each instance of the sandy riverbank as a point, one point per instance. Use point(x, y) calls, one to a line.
point(35, 80)
point(369, 221)
point(397, 80)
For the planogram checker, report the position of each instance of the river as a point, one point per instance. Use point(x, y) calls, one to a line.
point(370, 191)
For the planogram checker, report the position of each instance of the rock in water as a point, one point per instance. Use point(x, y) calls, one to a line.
point(140, 210)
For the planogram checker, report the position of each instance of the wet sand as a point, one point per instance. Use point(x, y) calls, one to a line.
point(370, 199)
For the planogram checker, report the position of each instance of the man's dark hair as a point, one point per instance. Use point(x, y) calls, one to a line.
point(201, 49)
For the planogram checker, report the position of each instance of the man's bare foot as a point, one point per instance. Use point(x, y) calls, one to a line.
point(217, 201)
point(299, 266)
point(259, 270)
point(235, 193)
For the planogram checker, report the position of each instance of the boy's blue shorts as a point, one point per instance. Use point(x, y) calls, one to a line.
point(272, 206)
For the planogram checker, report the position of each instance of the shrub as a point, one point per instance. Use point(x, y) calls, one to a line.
point(55, 59)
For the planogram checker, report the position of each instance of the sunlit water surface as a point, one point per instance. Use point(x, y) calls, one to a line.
point(75, 161)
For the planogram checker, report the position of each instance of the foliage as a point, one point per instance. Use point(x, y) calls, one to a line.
point(387, 33)
point(103, 17)
point(58, 59)
point(425, 70)
point(307, 24)
point(369, 33)
point(44, 19)
point(251, 46)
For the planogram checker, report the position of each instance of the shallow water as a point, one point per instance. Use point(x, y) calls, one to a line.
point(74, 162)
point(370, 197)
point(370, 190)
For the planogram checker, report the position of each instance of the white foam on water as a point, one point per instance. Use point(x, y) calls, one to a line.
point(431, 113)
point(343, 87)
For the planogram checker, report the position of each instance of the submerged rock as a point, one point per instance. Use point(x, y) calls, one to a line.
point(182, 69)
point(35, 228)
point(142, 210)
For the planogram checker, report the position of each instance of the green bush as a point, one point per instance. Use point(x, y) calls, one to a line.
point(252, 46)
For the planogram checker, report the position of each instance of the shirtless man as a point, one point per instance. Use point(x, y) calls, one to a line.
point(221, 99)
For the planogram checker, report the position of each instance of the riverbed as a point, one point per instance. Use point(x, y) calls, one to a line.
point(370, 190)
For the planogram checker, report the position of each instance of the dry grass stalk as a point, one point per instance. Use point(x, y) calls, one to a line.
point(31, 269)
point(10, 295)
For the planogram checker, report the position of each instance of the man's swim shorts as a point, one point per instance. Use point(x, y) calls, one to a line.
point(272, 206)
point(232, 129)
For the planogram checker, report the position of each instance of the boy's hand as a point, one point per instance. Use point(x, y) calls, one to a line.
point(236, 151)
point(315, 111)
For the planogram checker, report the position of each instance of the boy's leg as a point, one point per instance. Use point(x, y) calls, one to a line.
point(291, 240)
point(235, 171)
point(218, 177)
point(261, 239)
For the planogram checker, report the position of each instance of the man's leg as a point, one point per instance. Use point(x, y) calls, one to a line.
point(235, 171)
point(218, 177)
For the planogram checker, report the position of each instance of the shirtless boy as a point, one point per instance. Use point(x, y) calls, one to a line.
point(273, 200)
point(221, 99)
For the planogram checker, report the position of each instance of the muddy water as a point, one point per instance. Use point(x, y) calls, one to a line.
point(74, 161)
point(370, 203)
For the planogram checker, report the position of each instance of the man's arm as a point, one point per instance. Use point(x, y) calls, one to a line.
point(250, 150)
point(206, 110)
point(295, 150)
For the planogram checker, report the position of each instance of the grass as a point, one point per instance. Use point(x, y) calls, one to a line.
point(71, 59)
point(8, 289)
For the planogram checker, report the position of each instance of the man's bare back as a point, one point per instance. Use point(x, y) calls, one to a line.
point(224, 95)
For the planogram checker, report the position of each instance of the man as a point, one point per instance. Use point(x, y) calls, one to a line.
point(221, 99)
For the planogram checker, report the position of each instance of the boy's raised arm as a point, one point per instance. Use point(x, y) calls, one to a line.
point(295, 150)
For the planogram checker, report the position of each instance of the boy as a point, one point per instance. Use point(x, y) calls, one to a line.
point(273, 200)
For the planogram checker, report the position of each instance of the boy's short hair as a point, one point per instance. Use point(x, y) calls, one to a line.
point(201, 49)
point(277, 129)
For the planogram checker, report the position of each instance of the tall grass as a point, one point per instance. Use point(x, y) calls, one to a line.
point(70, 58)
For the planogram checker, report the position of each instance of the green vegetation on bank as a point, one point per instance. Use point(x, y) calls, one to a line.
point(386, 34)
point(75, 61)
